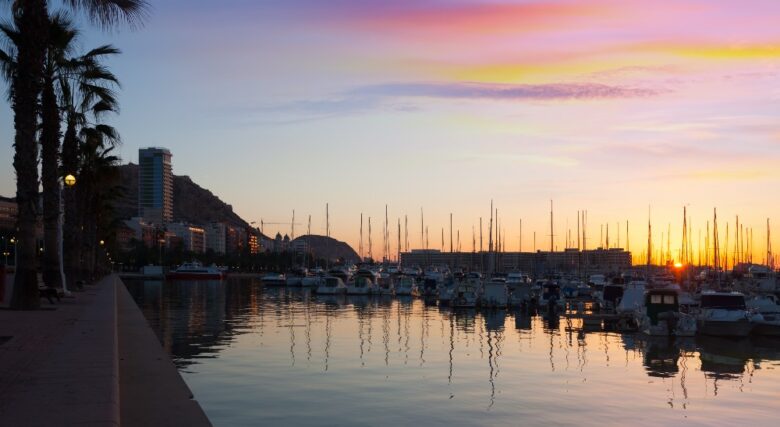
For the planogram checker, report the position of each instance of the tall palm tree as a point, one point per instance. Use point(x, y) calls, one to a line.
point(58, 66)
point(87, 98)
point(82, 86)
point(31, 18)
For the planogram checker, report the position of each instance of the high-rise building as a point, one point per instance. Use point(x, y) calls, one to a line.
point(155, 185)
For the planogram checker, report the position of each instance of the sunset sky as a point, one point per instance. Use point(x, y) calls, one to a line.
point(610, 106)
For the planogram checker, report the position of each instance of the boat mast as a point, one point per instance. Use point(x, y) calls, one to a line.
point(450, 232)
point(360, 246)
point(398, 259)
point(552, 235)
point(370, 243)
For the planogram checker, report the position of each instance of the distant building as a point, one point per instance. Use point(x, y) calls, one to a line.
point(193, 238)
point(142, 231)
point(235, 239)
point(253, 244)
point(155, 185)
point(8, 211)
point(281, 244)
point(216, 237)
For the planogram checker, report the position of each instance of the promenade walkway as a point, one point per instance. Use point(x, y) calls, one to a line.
point(89, 360)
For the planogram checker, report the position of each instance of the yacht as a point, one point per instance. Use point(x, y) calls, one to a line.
point(428, 288)
point(464, 296)
point(724, 314)
point(446, 290)
point(551, 295)
point(296, 276)
point(516, 280)
point(195, 270)
point(331, 285)
point(766, 306)
point(274, 279)
point(660, 315)
point(361, 285)
point(313, 280)
point(495, 293)
point(404, 285)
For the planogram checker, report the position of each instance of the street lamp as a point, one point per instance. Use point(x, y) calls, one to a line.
point(69, 180)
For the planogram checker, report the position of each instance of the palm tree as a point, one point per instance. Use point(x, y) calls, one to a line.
point(87, 98)
point(31, 18)
point(57, 68)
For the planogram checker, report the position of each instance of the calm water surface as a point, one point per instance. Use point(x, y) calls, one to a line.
point(255, 355)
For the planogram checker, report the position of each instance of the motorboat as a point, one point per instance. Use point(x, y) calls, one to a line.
point(274, 279)
point(296, 276)
point(660, 315)
point(404, 285)
point(313, 280)
point(195, 271)
point(331, 285)
point(516, 279)
point(724, 314)
point(464, 296)
point(446, 290)
point(427, 288)
point(361, 285)
point(769, 309)
point(495, 293)
point(551, 295)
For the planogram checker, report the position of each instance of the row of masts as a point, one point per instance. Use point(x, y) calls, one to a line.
point(708, 254)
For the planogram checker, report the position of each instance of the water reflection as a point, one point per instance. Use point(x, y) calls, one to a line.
point(252, 353)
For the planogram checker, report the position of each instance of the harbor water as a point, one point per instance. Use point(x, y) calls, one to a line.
point(255, 355)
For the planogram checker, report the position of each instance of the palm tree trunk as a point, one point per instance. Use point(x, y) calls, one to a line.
point(70, 165)
point(50, 143)
point(32, 21)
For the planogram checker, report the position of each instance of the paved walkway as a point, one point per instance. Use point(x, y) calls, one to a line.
point(61, 365)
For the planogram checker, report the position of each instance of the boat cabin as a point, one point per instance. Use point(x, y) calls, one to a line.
point(723, 300)
point(659, 301)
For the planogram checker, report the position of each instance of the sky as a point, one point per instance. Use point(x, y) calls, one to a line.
point(628, 109)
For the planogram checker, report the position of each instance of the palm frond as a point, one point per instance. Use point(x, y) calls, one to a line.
point(109, 13)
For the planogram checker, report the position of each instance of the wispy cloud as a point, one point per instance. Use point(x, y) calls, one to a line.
point(402, 96)
point(551, 91)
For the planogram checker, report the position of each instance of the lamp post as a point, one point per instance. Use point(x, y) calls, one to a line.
point(69, 181)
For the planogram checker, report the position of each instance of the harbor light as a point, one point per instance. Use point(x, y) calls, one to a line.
point(70, 180)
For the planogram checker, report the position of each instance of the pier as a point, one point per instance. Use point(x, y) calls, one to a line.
point(91, 359)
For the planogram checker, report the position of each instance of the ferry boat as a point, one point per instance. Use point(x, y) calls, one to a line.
point(195, 271)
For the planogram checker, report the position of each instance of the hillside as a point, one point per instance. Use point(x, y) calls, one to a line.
point(191, 202)
point(329, 248)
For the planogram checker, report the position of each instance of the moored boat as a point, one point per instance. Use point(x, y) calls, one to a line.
point(195, 271)
point(723, 314)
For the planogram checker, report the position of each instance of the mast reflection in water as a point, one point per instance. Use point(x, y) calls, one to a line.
point(273, 355)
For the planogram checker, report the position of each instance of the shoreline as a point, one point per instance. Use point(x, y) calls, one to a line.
point(90, 359)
